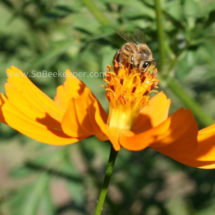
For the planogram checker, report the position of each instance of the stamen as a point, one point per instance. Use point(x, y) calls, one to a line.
point(128, 92)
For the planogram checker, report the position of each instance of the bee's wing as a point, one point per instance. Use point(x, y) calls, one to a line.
point(138, 36)
point(125, 36)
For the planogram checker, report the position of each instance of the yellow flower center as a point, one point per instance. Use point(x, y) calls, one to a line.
point(128, 92)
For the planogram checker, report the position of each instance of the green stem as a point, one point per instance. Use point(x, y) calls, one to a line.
point(160, 33)
point(96, 12)
point(108, 174)
point(201, 116)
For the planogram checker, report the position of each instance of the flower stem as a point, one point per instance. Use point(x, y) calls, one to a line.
point(201, 115)
point(108, 174)
point(160, 33)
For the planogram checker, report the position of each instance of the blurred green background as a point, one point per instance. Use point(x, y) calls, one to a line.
point(52, 35)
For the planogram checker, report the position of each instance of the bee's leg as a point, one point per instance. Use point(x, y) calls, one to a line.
point(116, 59)
point(131, 66)
point(137, 67)
point(119, 64)
point(119, 60)
point(116, 62)
point(131, 63)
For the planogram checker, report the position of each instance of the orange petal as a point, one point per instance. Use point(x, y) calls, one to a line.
point(153, 114)
point(113, 136)
point(20, 83)
point(91, 118)
point(98, 119)
point(204, 154)
point(83, 108)
point(31, 112)
point(71, 88)
point(76, 121)
point(205, 150)
point(84, 113)
point(178, 132)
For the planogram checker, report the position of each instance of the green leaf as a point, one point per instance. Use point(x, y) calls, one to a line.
point(76, 192)
point(47, 205)
point(51, 56)
point(58, 12)
point(21, 171)
point(173, 9)
point(191, 11)
point(27, 199)
point(34, 198)
point(138, 5)
point(74, 181)
point(206, 7)
point(191, 8)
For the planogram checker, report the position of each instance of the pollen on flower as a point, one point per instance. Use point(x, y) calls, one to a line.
point(128, 92)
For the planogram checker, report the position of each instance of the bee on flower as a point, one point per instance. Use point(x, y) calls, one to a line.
point(135, 120)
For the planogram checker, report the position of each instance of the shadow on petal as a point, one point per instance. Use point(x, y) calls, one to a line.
point(71, 88)
point(152, 114)
point(52, 125)
point(177, 133)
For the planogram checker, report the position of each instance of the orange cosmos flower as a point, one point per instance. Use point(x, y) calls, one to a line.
point(135, 120)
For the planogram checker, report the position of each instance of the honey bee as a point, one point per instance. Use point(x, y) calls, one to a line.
point(135, 53)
